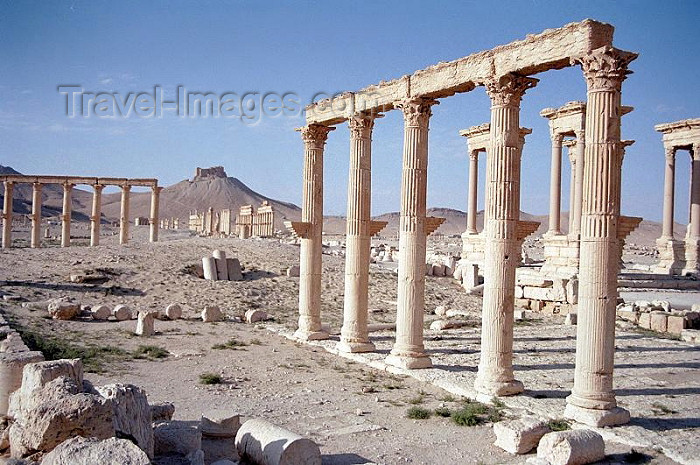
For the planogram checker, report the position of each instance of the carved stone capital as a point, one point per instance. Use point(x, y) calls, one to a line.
point(361, 126)
point(126, 188)
point(580, 137)
point(37, 186)
point(315, 134)
point(474, 155)
point(98, 187)
point(508, 90)
point(416, 112)
point(557, 139)
point(605, 68)
point(67, 187)
point(156, 189)
point(670, 153)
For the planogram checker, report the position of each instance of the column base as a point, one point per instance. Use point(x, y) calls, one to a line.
point(355, 347)
point(409, 362)
point(597, 418)
point(495, 388)
point(304, 335)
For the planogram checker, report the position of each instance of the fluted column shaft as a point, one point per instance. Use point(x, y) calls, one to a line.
point(473, 188)
point(96, 215)
point(669, 193)
point(695, 194)
point(592, 400)
point(495, 375)
point(572, 186)
point(124, 216)
point(555, 186)
point(66, 214)
point(7, 215)
point(408, 350)
point(580, 167)
point(354, 336)
point(314, 137)
point(35, 240)
point(155, 207)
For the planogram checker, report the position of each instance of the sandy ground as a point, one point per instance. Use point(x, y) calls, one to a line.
point(355, 412)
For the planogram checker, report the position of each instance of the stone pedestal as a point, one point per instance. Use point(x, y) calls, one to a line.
point(354, 336)
point(592, 400)
point(35, 239)
point(495, 376)
point(314, 137)
point(671, 256)
point(408, 350)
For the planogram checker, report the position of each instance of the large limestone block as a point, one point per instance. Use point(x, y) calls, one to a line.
point(37, 375)
point(60, 309)
point(293, 271)
point(177, 437)
point(55, 413)
point(520, 436)
point(220, 426)
point(145, 324)
point(266, 444)
point(132, 414)
point(11, 368)
point(162, 411)
point(212, 313)
point(573, 447)
point(645, 320)
point(234, 269)
point(676, 324)
point(91, 451)
point(122, 312)
point(253, 316)
point(221, 265)
point(659, 321)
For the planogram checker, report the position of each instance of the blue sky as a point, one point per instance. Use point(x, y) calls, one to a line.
point(305, 48)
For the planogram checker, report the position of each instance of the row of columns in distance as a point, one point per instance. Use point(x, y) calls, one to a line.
point(67, 213)
point(592, 395)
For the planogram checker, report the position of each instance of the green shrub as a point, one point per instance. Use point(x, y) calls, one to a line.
point(418, 413)
point(210, 378)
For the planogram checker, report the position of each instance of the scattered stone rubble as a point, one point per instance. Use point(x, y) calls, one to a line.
point(57, 418)
point(658, 316)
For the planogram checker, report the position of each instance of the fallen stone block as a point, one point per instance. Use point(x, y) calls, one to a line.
point(209, 266)
point(266, 444)
point(11, 368)
point(220, 427)
point(691, 335)
point(91, 451)
point(177, 437)
point(173, 312)
point(234, 269)
point(60, 309)
point(675, 324)
point(520, 436)
point(211, 314)
point(162, 411)
point(253, 316)
point(100, 312)
point(122, 312)
point(645, 320)
point(573, 447)
point(440, 311)
point(293, 271)
point(476, 290)
point(132, 414)
point(37, 375)
point(145, 324)
point(659, 321)
point(571, 319)
point(442, 325)
point(221, 265)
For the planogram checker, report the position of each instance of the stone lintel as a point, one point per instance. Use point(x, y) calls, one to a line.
point(375, 227)
point(299, 228)
point(680, 134)
point(91, 181)
point(550, 49)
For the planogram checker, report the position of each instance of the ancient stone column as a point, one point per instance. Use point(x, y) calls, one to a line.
point(96, 215)
point(473, 188)
point(124, 215)
point(580, 166)
point(155, 206)
point(692, 240)
point(66, 214)
point(592, 400)
point(354, 336)
point(572, 183)
point(555, 186)
point(7, 215)
point(35, 240)
point(669, 189)
point(408, 350)
point(502, 254)
point(314, 136)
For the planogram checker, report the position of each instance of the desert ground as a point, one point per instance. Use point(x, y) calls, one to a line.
point(354, 407)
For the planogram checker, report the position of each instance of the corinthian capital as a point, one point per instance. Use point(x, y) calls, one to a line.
point(508, 90)
point(361, 125)
point(315, 134)
point(605, 68)
point(416, 112)
point(670, 153)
